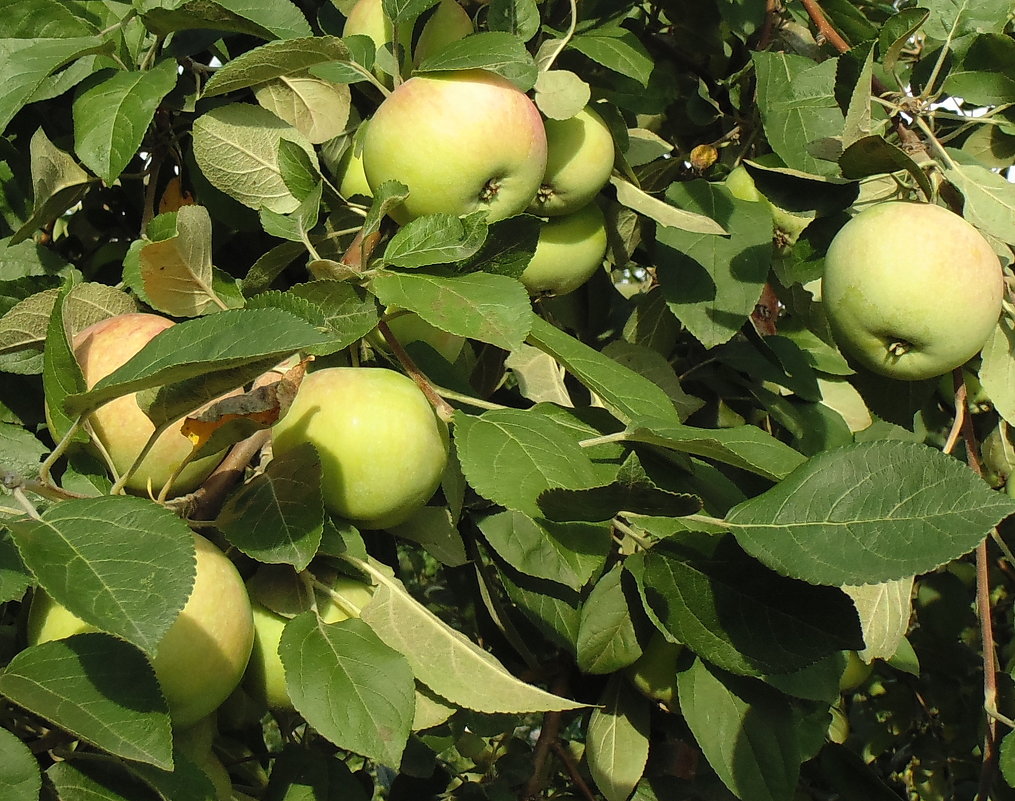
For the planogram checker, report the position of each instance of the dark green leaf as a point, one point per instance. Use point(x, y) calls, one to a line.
point(494, 51)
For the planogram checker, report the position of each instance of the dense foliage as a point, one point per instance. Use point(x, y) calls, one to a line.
point(684, 546)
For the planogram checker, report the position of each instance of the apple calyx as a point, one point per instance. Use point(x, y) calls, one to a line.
point(490, 190)
point(900, 348)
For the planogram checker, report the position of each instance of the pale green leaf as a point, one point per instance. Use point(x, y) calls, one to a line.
point(273, 60)
point(617, 740)
point(885, 610)
point(666, 214)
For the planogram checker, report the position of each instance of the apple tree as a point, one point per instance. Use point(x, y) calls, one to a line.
point(536, 378)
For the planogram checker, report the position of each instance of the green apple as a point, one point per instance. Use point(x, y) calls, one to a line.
point(854, 673)
point(654, 673)
point(461, 142)
point(382, 447)
point(787, 225)
point(349, 173)
point(911, 290)
point(202, 656)
point(569, 251)
point(448, 23)
point(579, 160)
point(265, 677)
point(409, 327)
point(838, 727)
point(120, 426)
point(196, 743)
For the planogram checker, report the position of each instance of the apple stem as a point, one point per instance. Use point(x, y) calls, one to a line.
point(900, 348)
point(347, 606)
point(444, 410)
point(45, 469)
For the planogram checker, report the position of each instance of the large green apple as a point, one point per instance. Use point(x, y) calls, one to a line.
point(120, 426)
point(579, 160)
point(461, 142)
point(382, 447)
point(911, 290)
point(569, 251)
point(202, 656)
point(265, 677)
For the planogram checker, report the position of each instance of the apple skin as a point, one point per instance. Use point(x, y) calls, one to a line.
point(383, 449)
point(461, 141)
point(911, 290)
point(855, 672)
point(449, 23)
point(202, 656)
point(265, 677)
point(349, 173)
point(579, 160)
point(569, 251)
point(120, 426)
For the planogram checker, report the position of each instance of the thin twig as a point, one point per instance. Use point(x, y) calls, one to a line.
point(548, 734)
point(444, 409)
point(206, 502)
point(571, 765)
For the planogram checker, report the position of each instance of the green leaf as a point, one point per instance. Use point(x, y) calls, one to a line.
point(302, 774)
point(664, 213)
point(57, 184)
point(869, 513)
point(617, 740)
point(796, 99)
point(317, 108)
point(858, 113)
point(607, 641)
point(14, 577)
point(951, 18)
point(275, 60)
point(494, 51)
point(997, 370)
point(436, 239)
point(567, 553)
point(746, 730)
point(444, 659)
point(711, 283)
point(989, 198)
point(511, 456)
point(560, 94)
point(25, 64)
point(656, 368)
point(61, 374)
point(631, 491)
point(737, 615)
point(433, 529)
point(885, 611)
point(874, 155)
point(20, 780)
point(23, 333)
point(279, 19)
point(236, 147)
point(176, 269)
point(352, 688)
point(518, 17)
point(112, 116)
point(230, 339)
point(551, 608)
point(626, 394)
point(403, 11)
point(95, 570)
point(897, 33)
point(980, 88)
point(743, 446)
point(100, 689)
point(490, 308)
point(508, 247)
point(278, 516)
point(616, 49)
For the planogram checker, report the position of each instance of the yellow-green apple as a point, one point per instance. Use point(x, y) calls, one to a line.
point(787, 226)
point(120, 426)
point(911, 290)
point(654, 673)
point(854, 673)
point(461, 142)
point(448, 23)
point(579, 160)
point(196, 743)
point(569, 251)
point(383, 449)
point(202, 656)
point(265, 677)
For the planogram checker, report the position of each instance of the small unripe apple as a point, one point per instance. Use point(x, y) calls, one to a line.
point(911, 290)
point(349, 173)
point(654, 673)
point(367, 18)
point(854, 673)
point(265, 677)
point(120, 425)
point(202, 656)
point(461, 142)
point(569, 251)
point(382, 447)
point(579, 160)
point(448, 23)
